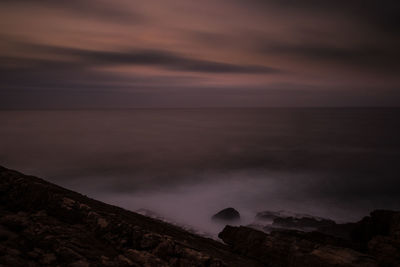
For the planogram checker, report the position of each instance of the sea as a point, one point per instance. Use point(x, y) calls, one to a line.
point(187, 164)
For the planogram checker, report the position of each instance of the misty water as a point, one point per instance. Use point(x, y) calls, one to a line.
point(187, 164)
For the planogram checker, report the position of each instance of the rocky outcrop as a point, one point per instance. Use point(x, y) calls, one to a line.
point(294, 248)
point(377, 234)
point(227, 215)
point(268, 215)
point(380, 222)
point(42, 224)
point(373, 241)
point(302, 223)
point(277, 220)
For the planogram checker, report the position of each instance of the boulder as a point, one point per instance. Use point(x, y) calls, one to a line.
point(227, 215)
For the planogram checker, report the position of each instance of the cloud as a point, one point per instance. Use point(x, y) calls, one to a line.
point(208, 50)
point(382, 15)
point(375, 58)
point(101, 10)
point(84, 58)
point(164, 59)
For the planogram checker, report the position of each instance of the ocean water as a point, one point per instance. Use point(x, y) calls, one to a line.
point(187, 164)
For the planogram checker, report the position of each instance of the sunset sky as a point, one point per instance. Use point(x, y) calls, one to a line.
point(183, 53)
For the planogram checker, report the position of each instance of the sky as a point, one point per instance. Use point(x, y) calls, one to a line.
point(184, 53)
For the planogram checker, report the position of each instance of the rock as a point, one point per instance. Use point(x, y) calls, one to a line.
point(80, 263)
point(15, 222)
point(375, 240)
point(48, 258)
point(6, 234)
point(228, 214)
point(122, 260)
point(292, 248)
point(379, 235)
point(303, 223)
point(268, 215)
point(102, 222)
point(150, 241)
point(42, 224)
point(269, 221)
point(386, 249)
point(68, 203)
point(339, 230)
point(380, 222)
point(290, 220)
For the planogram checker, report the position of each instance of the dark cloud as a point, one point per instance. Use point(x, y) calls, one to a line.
point(45, 76)
point(71, 77)
point(324, 49)
point(373, 58)
point(101, 10)
point(368, 31)
point(382, 15)
point(164, 59)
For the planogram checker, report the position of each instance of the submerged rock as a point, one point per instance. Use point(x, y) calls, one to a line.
point(268, 215)
point(302, 223)
point(275, 220)
point(227, 215)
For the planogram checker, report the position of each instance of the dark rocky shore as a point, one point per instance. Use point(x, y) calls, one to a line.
point(42, 224)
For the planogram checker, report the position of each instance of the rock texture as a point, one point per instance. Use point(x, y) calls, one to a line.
point(268, 215)
point(293, 248)
point(377, 235)
point(374, 241)
point(227, 215)
point(276, 220)
point(42, 224)
point(302, 223)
